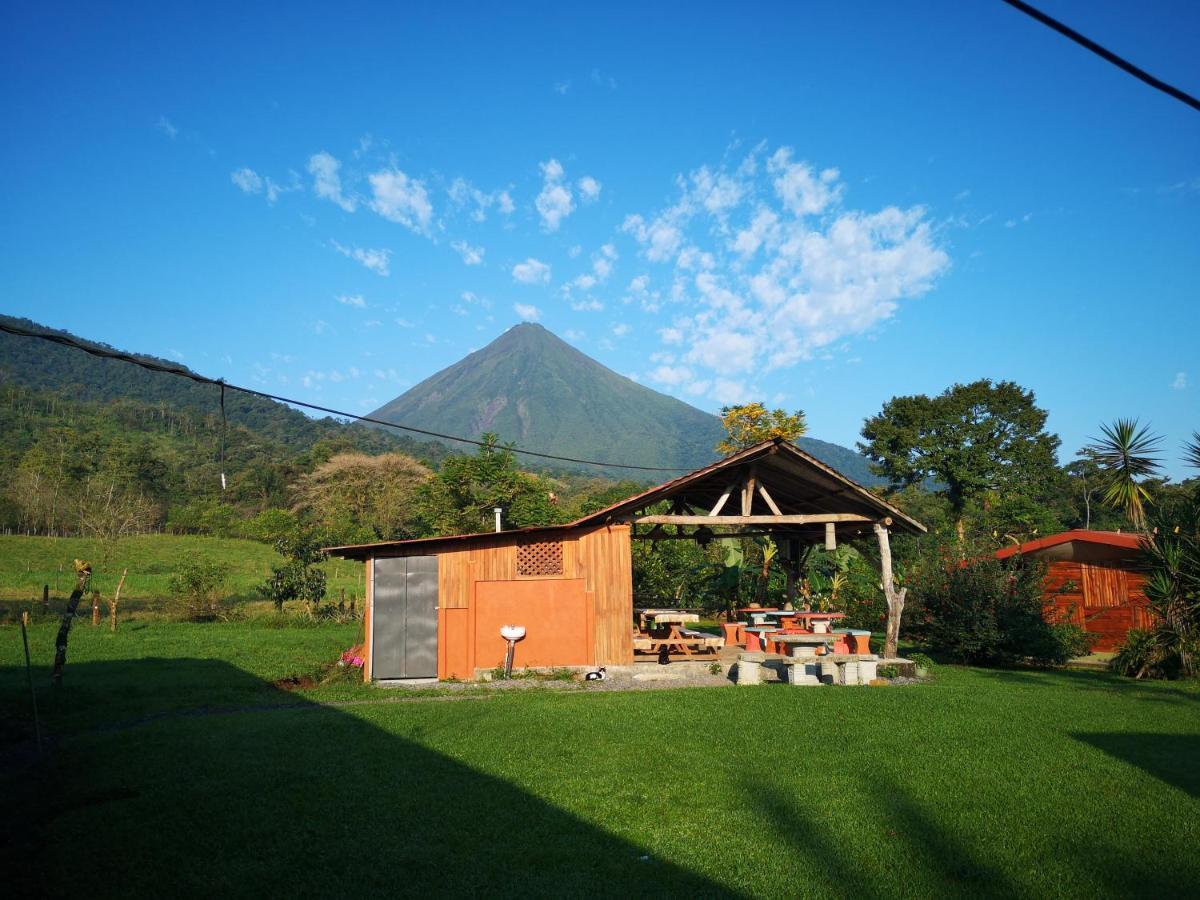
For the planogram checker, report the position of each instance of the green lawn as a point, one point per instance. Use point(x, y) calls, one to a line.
point(982, 783)
point(28, 563)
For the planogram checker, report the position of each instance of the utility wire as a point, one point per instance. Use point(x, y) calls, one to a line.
point(1104, 53)
point(224, 385)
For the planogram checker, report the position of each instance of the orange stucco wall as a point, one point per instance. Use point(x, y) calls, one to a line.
point(555, 612)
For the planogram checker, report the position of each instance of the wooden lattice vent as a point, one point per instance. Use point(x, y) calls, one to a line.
point(543, 558)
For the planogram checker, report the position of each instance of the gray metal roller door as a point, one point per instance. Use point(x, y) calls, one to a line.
point(404, 618)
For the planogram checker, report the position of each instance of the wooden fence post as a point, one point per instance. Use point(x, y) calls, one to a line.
point(83, 573)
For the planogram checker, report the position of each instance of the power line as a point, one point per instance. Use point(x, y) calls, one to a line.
point(1105, 54)
point(225, 385)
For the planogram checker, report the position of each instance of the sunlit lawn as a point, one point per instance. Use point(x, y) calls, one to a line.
point(981, 783)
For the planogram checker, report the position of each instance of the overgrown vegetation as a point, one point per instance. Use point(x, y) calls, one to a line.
point(986, 611)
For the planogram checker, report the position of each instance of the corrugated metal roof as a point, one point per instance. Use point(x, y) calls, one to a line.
point(1120, 539)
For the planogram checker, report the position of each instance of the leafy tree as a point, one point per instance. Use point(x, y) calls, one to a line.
point(753, 423)
point(461, 497)
point(353, 491)
point(969, 440)
point(298, 577)
point(1126, 455)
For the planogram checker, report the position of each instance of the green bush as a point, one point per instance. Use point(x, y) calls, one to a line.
point(982, 610)
point(197, 591)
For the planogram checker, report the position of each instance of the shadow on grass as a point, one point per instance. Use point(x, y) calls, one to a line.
point(945, 865)
point(307, 800)
point(1172, 758)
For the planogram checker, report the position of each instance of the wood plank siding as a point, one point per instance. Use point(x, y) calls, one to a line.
point(1105, 599)
point(599, 556)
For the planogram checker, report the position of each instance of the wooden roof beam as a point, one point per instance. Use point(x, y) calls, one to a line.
point(806, 519)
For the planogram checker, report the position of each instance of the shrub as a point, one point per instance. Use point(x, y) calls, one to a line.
point(1144, 656)
point(986, 611)
point(297, 578)
point(197, 591)
point(921, 661)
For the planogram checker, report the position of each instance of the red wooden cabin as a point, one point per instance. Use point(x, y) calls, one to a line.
point(1092, 581)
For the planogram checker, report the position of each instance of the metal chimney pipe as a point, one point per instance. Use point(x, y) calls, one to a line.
point(497, 510)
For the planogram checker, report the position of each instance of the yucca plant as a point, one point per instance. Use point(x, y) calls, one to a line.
point(1126, 453)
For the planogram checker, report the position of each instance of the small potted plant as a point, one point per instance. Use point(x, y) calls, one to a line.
point(922, 663)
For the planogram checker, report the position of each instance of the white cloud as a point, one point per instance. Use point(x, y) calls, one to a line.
point(404, 323)
point(561, 87)
point(532, 271)
point(591, 304)
point(327, 183)
point(589, 189)
point(355, 300)
point(673, 376)
point(401, 199)
point(375, 260)
point(463, 194)
point(1180, 383)
point(604, 80)
point(801, 189)
point(473, 299)
point(526, 312)
point(727, 391)
point(573, 334)
point(472, 256)
point(167, 127)
point(554, 203)
point(773, 268)
point(248, 180)
point(621, 329)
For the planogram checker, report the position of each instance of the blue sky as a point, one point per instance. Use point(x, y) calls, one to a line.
point(817, 205)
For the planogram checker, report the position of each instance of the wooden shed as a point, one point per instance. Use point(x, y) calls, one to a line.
point(435, 605)
point(1093, 581)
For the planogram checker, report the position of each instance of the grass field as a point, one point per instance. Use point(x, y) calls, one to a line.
point(982, 783)
point(28, 563)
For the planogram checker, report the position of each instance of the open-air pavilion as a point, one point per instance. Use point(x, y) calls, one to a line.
point(435, 605)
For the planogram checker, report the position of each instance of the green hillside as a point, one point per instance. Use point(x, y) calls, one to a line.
point(537, 391)
point(43, 368)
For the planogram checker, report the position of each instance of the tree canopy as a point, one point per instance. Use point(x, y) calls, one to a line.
point(967, 441)
point(753, 423)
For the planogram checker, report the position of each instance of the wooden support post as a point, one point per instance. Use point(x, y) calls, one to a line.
point(724, 499)
point(748, 490)
point(830, 536)
point(45, 598)
point(95, 608)
point(895, 599)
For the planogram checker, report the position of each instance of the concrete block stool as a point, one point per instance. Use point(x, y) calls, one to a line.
point(849, 673)
point(802, 672)
point(868, 669)
point(829, 671)
point(749, 668)
point(857, 640)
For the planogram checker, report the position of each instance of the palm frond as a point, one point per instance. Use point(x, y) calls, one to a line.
point(1191, 451)
point(1127, 454)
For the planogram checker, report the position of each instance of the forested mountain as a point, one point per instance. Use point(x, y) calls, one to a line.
point(42, 366)
point(537, 391)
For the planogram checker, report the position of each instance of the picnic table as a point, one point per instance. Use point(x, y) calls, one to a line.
point(796, 643)
point(806, 618)
point(649, 617)
point(666, 631)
